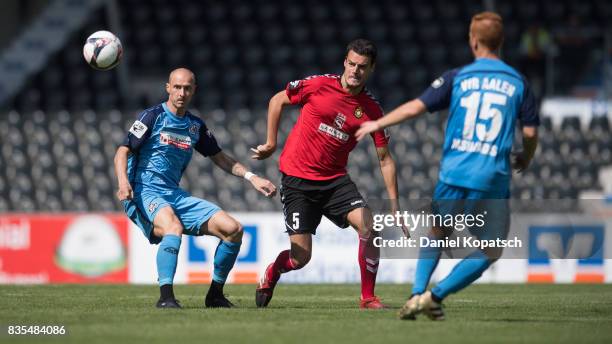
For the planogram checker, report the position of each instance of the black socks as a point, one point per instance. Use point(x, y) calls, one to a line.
point(166, 292)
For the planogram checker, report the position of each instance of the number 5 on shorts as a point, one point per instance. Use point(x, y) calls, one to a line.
point(296, 221)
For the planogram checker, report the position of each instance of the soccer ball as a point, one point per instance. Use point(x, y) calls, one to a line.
point(102, 50)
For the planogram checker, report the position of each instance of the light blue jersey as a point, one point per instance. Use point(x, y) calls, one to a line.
point(161, 146)
point(485, 99)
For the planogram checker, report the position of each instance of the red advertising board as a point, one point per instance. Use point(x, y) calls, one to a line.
point(74, 248)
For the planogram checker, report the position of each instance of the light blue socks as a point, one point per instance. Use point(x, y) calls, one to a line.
point(428, 260)
point(463, 274)
point(167, 256)
point(225, 257)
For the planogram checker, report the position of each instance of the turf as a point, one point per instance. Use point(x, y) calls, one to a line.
point(310, 314)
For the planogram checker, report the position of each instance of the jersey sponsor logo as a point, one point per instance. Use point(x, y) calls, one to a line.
point(438, 82)
point(359, 201)
point(138, 129)
point(333, 132)
point(194, 128)
point(294, 84)
point(173, 139)
point(339, 121)
point(472, 146)
point(358, 112)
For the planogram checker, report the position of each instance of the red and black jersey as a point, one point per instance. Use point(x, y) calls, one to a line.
point(320, 142)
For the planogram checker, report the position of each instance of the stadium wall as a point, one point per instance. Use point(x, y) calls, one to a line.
point(107, 248)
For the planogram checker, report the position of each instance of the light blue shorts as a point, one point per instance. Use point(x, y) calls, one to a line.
point(193, 212)
point(492, 205)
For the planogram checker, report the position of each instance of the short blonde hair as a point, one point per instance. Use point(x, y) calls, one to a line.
point(488, 29)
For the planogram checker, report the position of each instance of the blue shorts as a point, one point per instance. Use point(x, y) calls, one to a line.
point(193, 212)
point(492, 207)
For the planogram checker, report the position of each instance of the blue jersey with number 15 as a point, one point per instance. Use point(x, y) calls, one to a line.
point(485, 99)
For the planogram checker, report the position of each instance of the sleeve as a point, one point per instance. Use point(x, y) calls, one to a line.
point(140, 131)
point(207, 144)
point(298, 91)
point(528, 114)
point(438, 95)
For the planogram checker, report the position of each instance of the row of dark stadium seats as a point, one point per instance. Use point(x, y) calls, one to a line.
point(242, 52)
point(64, 160)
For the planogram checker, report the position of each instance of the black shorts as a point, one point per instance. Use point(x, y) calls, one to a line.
point(305, 203)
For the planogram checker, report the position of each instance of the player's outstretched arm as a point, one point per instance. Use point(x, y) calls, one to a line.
point(530, 143)
point(405, 111)
point(388, 171)
point(389, 174)
point(230, 165)
point(125, 189)
point(275, 108)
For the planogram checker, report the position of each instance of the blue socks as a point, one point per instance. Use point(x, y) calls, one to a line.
point(428, 260)
point(225, 257)
point(463, 274)
point(167, 255)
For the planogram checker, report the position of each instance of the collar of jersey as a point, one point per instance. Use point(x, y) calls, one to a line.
point(175, 116)
point(347, 94)
point(488, 59)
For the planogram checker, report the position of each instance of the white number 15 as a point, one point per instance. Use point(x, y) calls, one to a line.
point(487, 112)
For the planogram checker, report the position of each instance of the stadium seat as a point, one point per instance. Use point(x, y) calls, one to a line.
point(243, 53)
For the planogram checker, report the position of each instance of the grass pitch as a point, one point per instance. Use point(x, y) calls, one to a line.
point(309, 314)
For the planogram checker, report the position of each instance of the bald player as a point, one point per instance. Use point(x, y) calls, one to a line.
point(485, 100)
point(149, 165)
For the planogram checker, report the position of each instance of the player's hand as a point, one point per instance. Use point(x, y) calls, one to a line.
point(264, 186)
point(519, 162)
point(366, 128)
point(395, 209)
point(125, 192)
point(263, 151)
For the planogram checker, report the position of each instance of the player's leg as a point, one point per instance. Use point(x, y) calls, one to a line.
point(293, 259)
point(229, 231)
point(427, 263)
point(468, 270)
point(167, 226)
point(368, 255)
point(302, 216)
point(345, 206)
point(463, 274)
point(446, 200)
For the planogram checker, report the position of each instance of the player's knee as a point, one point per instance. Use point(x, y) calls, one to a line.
point(235, 232)
point(365, 231)
point(175, 228)
point(301, 260)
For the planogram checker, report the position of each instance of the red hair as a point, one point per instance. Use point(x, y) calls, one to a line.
point(488, 29)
